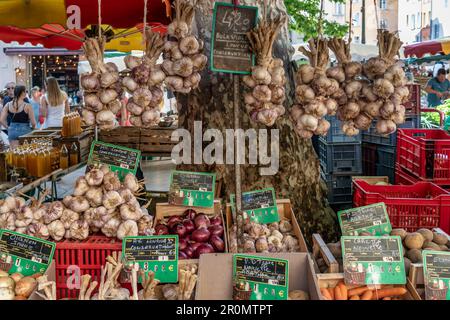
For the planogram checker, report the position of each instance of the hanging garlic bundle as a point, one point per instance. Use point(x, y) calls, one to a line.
point(183, 59)
point(316, 94)
point(145, 83)
point(101, 87)
point(264, 100)
point(387, 90)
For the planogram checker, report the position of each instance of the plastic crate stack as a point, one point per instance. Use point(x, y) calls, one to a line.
point(379, 151)
point(423, 155)
point(340, 159)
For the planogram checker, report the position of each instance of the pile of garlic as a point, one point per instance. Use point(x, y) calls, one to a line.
point(183, 58)
point(274, 237)
point(264, 101)
point(102, 87)
point(145, 83)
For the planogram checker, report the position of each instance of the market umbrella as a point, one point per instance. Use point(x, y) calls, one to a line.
point(61, 23)
point(432, 47)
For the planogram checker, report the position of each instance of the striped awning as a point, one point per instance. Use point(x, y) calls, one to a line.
point(431, 47)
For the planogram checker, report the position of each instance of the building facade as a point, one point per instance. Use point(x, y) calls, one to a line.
point(440, 19)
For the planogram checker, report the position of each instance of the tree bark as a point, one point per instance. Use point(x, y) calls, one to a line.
point(298, 178)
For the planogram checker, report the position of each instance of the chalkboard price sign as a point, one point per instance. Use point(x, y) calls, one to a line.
point(371, 219)
point(436, 269)
point(25, 254)
point(120, 159)
point(230, 48)
point(192, 189)
point(266, 278)
point(373, 260)
point(153, 253)
point(259, 206)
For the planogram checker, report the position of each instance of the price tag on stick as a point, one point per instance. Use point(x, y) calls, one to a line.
point(436, 269)
point(192, 189)
point(259, 205)
point(371, 219)
point(260, 278)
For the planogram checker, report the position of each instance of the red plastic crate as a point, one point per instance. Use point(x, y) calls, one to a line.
point(422, 205)
point(89, 255)
point(425, 153)
point(402, 177)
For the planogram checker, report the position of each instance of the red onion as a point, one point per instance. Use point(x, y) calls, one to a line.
point(189, 251)
point(173, 220)
point(216, 220)
point(161, 229)
point(216, 230)
point(189, 214)
point(201, 220)
point(178, 229)
point(203, 248)
point(201, 235)
point(217, 243)
point(187, 237)
point(182, 255)
point(182, 244)
point(194, 246)
point(189, 225)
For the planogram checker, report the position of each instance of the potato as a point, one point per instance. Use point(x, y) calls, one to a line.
point(430, 245)
point(399, 232)
point(439, 238)
point(443, 247)
point(426, 233)
point(298, 295)
point(415, 255)
point(335, 249)
point(407, 265)
point(414, 240)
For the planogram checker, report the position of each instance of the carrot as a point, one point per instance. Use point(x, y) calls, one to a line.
point(326, 294)
point(331, 291)
point(389, 292)
point(344, 290)
point(355, 297)
point(387, 298)
point(357, 291)
point(338, 293)
point(367, 295)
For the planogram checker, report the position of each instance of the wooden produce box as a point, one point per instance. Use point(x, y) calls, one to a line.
point(321, 251)
point(284, 211)
point(164, 210)
point(330, 280)
point(156, 141)
point(53, 134)
point(50, 272)
point(216, 272)
point(123, 136)
point(83, 142)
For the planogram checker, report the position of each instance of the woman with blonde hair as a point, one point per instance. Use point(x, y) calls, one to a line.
point(54, 104)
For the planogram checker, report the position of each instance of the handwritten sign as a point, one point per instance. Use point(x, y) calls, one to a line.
point(25, 254)
point(371, 219)
point(230, 47)
point(192, 189)
point(267, 278)
point(259, 206)
point(153, 253)
point(373, 260)
point(120, 159)
point(436, 272)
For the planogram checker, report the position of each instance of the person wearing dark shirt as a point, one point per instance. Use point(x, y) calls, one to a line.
point(438, 89)
point(10, 86)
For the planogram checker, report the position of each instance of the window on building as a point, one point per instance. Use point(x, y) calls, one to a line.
point(383, 24)
point(338, 9)
point(419, 20)
point(383, 4)
point(413, 22)
point(356, 19)
point(407, 20)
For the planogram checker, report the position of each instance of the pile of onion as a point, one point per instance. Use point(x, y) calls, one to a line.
point(145, 83)
point(266, 92)
point(197, 233)
point(183, 58)
point(101, 88)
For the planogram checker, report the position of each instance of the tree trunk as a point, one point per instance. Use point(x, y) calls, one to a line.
point(298, 178)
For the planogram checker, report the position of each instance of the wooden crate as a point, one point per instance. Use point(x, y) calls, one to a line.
point(156, 141)
point(284, 211)
point(321, 251)
point(53, 134)
point(123, 136)
point(330, 280)
point(83, 142)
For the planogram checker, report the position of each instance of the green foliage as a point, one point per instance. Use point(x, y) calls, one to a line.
point(304, 17)
point(431, 119)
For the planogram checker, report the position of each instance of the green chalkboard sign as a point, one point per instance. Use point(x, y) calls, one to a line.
point(120, 159)
point(259, 206)
point(230, 47)
point(25, 254)
point(436, 274)
point(373, 260)
point(266, 278)
point(193, 189)
point(373, 219)
point(153, 253)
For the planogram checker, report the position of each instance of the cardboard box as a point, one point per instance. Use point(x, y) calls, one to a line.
point(50, 276)
point(216, 271)
point(330, 280)
point(284, 211)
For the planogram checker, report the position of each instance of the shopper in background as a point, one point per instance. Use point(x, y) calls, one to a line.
point(3, 94)
point(438, 89)
point(20, 115)
point(36, 104)
point(54, 104)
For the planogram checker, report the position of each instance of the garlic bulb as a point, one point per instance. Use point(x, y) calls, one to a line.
point(127, 229)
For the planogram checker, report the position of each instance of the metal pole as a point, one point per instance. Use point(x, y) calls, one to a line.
point(363, 24)
point(237, 168)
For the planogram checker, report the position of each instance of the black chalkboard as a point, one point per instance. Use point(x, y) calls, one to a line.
point(437, 264)
point(257, 200)
point(371, 249)
point(149, 249)
point(373, 219)
point(230, 48)
point(261, 270)
point(193, 181)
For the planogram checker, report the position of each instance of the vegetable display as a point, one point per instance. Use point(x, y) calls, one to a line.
point(183, 58)
point(16, 287)
point(266, 92)
point(343, 292)
point(197, 233)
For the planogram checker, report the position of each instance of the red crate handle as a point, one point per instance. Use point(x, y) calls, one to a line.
point(441, 114)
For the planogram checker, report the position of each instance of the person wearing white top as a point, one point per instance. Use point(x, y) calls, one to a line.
point(54, 104)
